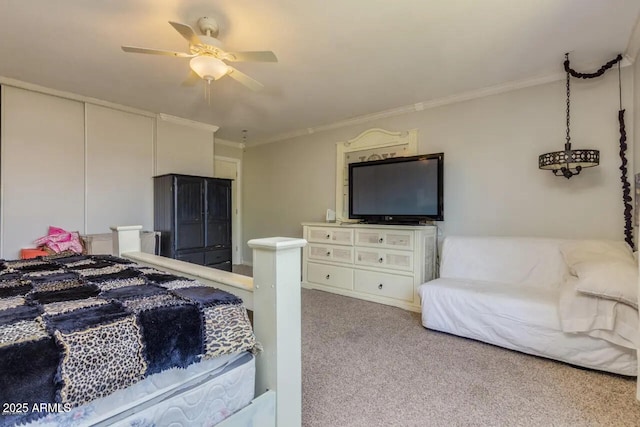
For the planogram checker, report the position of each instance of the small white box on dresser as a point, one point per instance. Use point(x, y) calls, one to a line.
point(379, 263)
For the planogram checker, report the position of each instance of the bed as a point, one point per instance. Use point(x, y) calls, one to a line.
point(139, 339)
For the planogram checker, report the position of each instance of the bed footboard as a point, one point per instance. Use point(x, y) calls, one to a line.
point(274, 296)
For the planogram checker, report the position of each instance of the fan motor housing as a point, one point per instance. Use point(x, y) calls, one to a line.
point(208, 26)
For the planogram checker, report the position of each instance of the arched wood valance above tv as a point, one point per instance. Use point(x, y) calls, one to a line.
point(372, 144)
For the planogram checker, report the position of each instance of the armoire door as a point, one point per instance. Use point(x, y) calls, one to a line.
point(189, 207)
point(218, 213)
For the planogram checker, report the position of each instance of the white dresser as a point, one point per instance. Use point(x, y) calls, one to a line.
point(380, 263)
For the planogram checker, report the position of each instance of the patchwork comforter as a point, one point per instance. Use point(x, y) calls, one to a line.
point(76, 328)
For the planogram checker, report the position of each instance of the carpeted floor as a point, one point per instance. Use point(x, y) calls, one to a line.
point(366, 364)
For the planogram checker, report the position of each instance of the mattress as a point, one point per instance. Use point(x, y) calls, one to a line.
point(519, 318)
point(204, 393)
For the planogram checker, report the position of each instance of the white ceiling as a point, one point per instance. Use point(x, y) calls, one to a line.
point(338, 59)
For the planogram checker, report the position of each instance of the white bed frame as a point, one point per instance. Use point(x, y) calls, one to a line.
point(273, 294)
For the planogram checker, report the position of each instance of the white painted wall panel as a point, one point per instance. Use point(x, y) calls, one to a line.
point(119, 169)
point(42, 168)
point(183, 149)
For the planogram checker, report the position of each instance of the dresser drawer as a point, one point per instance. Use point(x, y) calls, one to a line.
point(339, 277)
point(393, 239)
point(334, 235)
point(384, 285)
point(331, 253)
point(385, 258)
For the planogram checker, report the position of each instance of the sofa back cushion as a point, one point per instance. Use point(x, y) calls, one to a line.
point(526, 261)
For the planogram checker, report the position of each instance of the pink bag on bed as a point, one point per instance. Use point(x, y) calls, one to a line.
point(59, 240)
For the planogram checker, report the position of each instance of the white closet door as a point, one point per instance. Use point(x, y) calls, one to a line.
point(42, 170)
point(119, 169)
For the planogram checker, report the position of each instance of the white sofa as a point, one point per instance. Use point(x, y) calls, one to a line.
point(519, 293)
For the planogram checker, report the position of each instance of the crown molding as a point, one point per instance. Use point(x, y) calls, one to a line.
point(188, 123)
point(6, 81)
point(228, 143)
point(421, 106)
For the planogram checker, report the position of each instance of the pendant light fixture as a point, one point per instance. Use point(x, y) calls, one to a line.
point(569, 162)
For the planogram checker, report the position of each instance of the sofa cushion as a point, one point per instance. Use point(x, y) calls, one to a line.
point(524, 261)
point(522, 305)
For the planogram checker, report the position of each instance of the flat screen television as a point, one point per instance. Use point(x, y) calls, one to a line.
point(397, 190)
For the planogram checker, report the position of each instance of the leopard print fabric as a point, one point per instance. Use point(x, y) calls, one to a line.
point(137, 305)
point(121, 283)
point(228, 330)
point(57, 286)
point(100, 360)
point(43, 273)
point(179, 284)
point(13, 302)
point(61, 307)
point(24, 263)
point(21, 331)
point(80, 263)
point(100, 271)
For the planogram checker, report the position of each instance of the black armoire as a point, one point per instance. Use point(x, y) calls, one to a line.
point(194, 215)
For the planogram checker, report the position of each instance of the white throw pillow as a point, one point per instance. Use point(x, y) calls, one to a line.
point(605, 268)
point(611, 279)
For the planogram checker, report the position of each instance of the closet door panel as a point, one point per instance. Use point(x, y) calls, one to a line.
point(42, 169)
point(119, 169)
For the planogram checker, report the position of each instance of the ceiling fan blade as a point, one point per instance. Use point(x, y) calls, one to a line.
point(264, 56)
point(192, 79)
point(134, 49)
point(244, 79)
point(186, 32)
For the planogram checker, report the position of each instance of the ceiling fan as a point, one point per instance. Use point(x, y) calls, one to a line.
point(207, 55)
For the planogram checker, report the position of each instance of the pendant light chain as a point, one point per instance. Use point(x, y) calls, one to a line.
point(626, 187)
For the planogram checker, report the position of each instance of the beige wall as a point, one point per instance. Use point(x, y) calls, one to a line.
point(226, 148)
point(183, 149)
point(634, 141)
point(492, 182)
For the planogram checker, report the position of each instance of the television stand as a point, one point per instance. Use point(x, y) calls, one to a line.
point(377, 262)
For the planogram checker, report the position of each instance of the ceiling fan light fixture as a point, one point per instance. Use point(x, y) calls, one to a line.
point(208, 67)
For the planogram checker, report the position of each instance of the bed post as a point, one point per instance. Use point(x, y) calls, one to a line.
point(277, 324)
point(126, 239)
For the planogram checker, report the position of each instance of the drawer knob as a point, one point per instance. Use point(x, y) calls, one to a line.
point(381, 240)
point(380, 260)
point(380, 286)
point(328, 253)
point(328, 236)
point(328, 276)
